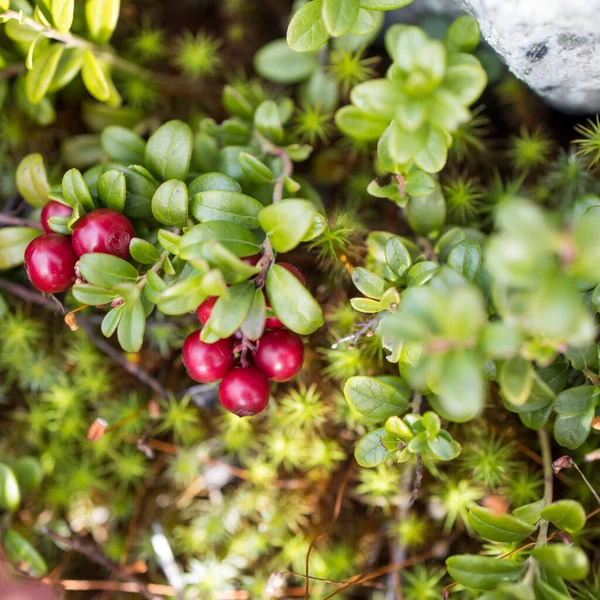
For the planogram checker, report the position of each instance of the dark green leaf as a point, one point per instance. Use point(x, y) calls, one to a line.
point(577, 400)
point(32, 181)
point(130, 331)
point(236, 238)
point(169, 151)
point(498, 528)
point(516, 380)
point(143, 252)
point(29, 473)
point(183, 297)
point(218, 205)
point(254, 324)
point(75, 190)
point(572, 431)
point(111, 320)
point(287, 222)
point(106, 271)
point(530, 513)
point(123, 145)
point(170, 203)
point(268, 121)
point(569, 562)
point(482, 572)
point(374, 398)
point(370, 450)
point(567, 515)
point(233, 269)
point(93, 295)
point(213, 181)
point(228, 314)
point(254, 169)
point(397, 256)
point(112, 190)
point(466, 258)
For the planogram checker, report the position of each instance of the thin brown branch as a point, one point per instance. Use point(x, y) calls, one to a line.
point(14, 289)
point(17, 221)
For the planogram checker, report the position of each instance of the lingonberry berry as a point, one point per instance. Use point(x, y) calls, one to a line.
point(252, 260)
point(244, 391)
point(103, 230)
point(280, 354)
point(50, 263)
point(205, 309)
point(53, 209)
point(274, 322)
point(204, 362)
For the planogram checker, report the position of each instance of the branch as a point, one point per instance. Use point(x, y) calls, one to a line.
point(119, 358)
point(94, 554)
point(367, 328)
point(29, 296)
point(18, 221)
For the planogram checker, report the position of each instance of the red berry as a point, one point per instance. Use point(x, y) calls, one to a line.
point(244, 391)
point(252, 260)
point(280, 354)
point(50, 263)
point(103, 230)
point(54, 209)
point(274, 322)
point(204, 362)
point(205, 309)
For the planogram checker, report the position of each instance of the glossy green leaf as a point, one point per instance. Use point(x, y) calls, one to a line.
point(236, 238)
point(482, 572)
point(339, 15)
point(254, 323)
point(105, 270)
point(277, 62)
point(102, 17)
point(368, 283)
point(13, 243)
point(39, 78)
point(360, 125)
point(307, 29)
point(516, 379)
point(213, 181)
point(123, 145)
point(32, 181)
point(143, 252)
point(10, 493)
point(292, 303)
point(462, 35)
point(366, 305)
point(287, 222)
point(569, 562)
point(571, 431)
point(140, 187)
point(130, 331)
point(267, 121)
point(93, 295)
point(170, 203)
point(427, 214)
point(21, 552)
point(530, 513)
point(254, 169)
point(68, 67)
point(169, 151)
point(62, 14)
point(218, 205)
point(466, 258)
point(76, 191)
point(577, 400)
point(182, 297)
point(498, 528)
point(228, 314)
point(111, 320)
point(112, 189)
point(374, 398)
point(419, 183)
point(567, 515)
point(370, 450)
point(511, 591)
point(500, 339)
point(94, 78)
point(397, 256)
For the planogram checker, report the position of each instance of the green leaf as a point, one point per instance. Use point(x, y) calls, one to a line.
point(228, 314)
point(102, 17)
point(21, 552)
point(307, 29)
point(13, 243)
point(482, 572)
point(218, 205)
point(268, 121)
point(291, 302)
point(427, 214)
point(370, 450)
point(567, 515)
point(577, 400)
point(287, 222)
point(516, 380)
point(374, 398)
point(93, 295)
point(111, 320)
point(69, 65)
point(500, 339)
point(530, 513)
point(10, 493)
point(572, 431)
point(366, 305)
point(254, 324)
point(94, 78)
point(462, 35)
point(254, 169)
point(368, 283)
point(568, 562)
point(140, 187)
point(75, 190)
point(511, 591)
point(360, 125)
point(498, 528)
point(419, 183)
point(62, 14)
point(443, 447)
point(38, 80)
point(106, 271)
point(170, 203)
point(397, 256)
point(183, 297)
point(545, 591)
point(213, 181)
point(112, 189)
point(384, 4)
point(123, 145)
point(466, 258)
point(236, 238)
point(130, 331)
point(32, 181)
point(277, 62)
point(169, 241)
point(339, 15)
point(29, 473)
point(461, 387)
point(467, 82)
point(432, 157)
point(143, 252)
point(169, 151)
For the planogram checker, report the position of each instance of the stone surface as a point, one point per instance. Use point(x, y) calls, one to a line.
point(552, 45)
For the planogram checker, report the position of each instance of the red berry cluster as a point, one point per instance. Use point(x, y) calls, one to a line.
point(50, 259)
point(244, 389)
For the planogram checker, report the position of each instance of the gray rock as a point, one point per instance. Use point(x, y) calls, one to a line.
point(552, 45)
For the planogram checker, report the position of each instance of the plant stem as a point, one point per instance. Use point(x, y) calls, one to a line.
point(18, 221)
point(368, 328)
point(28, 296)
point(546, 452)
